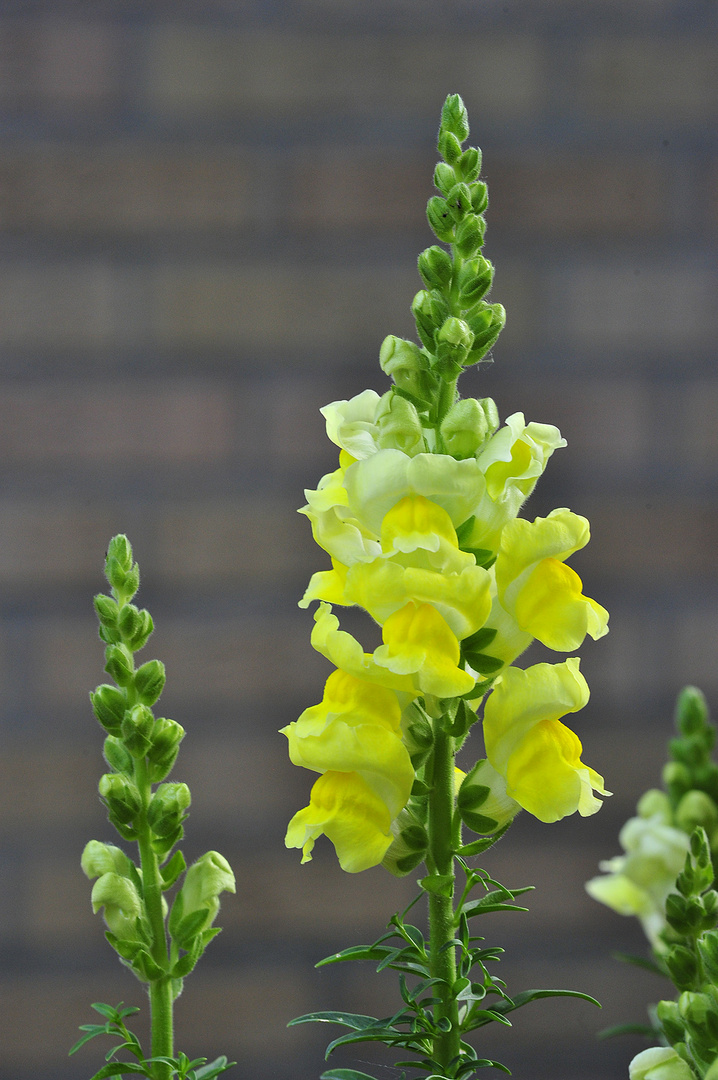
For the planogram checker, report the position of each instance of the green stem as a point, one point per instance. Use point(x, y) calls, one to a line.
point(441, 909)
point(161, 1000)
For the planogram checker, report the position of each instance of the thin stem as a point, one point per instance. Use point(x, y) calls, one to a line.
point(441, 908)
point(161, 1000)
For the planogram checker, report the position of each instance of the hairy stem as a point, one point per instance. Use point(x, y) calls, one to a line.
point(441, 907)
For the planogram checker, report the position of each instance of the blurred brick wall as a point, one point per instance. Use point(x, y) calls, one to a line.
point(210, 216)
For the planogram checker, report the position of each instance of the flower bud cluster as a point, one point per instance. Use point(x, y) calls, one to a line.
point(140, 750)
point(420, 521)
point(657, 840)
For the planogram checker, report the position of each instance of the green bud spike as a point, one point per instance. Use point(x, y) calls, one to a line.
point(108, 705)
point(150, 681)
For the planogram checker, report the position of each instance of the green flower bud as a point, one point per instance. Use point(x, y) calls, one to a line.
point(470, 235)
point(120, 796)
point(108, 705)
point(121, 901)
point(655, 803)
point(123, 576)
point(486, 325)
point(405, 363)
point(408, 847)
point(435, 267)
point(108, 614)
point(677, 779)
point(454, 117)
point(483, 789)
point(120, 551)
point(98, 859)
point(400, 427)
point(116, 755)
point(119, 664)
point(691, 711)
point(479, 197)
point(453, 343)
point(708, 949)
point(464, 428)
point(430, 310)
point(136, 626)
point(459, 202)
point(670, 1020)
point(440, 219)
point(137, 729)
point(474, 281)
point(470, 164)
point(659, 1063)
point(166, 811)
point(150, 681)
point(166, 737)
point(197, 903)
point(449, 147)
point(682, 966)
point(444, 177)
point(696, 808)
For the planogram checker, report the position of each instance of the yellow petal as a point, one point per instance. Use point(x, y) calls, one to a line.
point(551, 607)
point(418, 641)
point(346, 810)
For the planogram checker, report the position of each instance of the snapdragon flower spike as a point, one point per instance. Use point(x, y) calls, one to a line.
point(420, 523)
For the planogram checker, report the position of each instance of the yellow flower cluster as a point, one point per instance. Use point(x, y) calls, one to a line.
point(430, 545)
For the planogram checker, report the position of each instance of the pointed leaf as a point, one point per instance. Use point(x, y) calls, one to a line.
point(352, 1020)
point(639, 961)
point(357, 952)
point(117, 1068)
point(98, 1029)
point(213, 1068)
point(345, 1074)
point(107, 1010)
point(440, 884)
point(626, 1029)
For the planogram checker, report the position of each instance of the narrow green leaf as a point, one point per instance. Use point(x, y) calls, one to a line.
point(117, 1068)
point(356, 952)
point(345, 1074)
point(99, 1029)
point(639, 961)
point(108, 1011)
point(213, 1068)
point(352, 1020)
point(626, 1029)
point(533, 995)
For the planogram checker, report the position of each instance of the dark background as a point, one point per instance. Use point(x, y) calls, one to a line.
point(210, 217)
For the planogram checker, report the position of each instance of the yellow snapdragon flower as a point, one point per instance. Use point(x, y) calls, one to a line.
point(539, 757)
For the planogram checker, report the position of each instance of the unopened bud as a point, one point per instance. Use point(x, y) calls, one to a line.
point(440, 219)
point(691, 711)
point(120, 796)
point(677, 779)
point(166, 737)
point(121, 901)
point(167, 809)
point(405, 363)
point(117, 755)
point(136, 626)
point(98, 859)
point(197, 903)
point(119, 664)
point(150, 681)
point(486, 325)
point(137, 729)
point(655, 803)
point(670, 1020)
point(470, 235)
point(400, 427)
point(470, 164)
point(464, 428)
point(444, 177)
point(108, 705)
point(696, 808)
point(454, 117)
point(475, 280)
point(659, 1063)
point(449, 147)
point(435, 267)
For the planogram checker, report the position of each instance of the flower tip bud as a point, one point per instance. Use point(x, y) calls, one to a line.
point(455, 118)
point(691, 711)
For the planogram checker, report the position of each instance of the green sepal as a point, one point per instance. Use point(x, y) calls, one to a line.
point(126, 949)
point(484, 556)
point(477, 847)
point(146, 968)
point(172, 870)
point(465, 717)
point(149, 681)
point(186, 929)
point(480, 640)
point(478, 823)
point(187, 963)
point(482, 663)
point(440, 884)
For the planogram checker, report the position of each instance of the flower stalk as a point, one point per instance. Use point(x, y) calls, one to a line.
point(421, 523)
